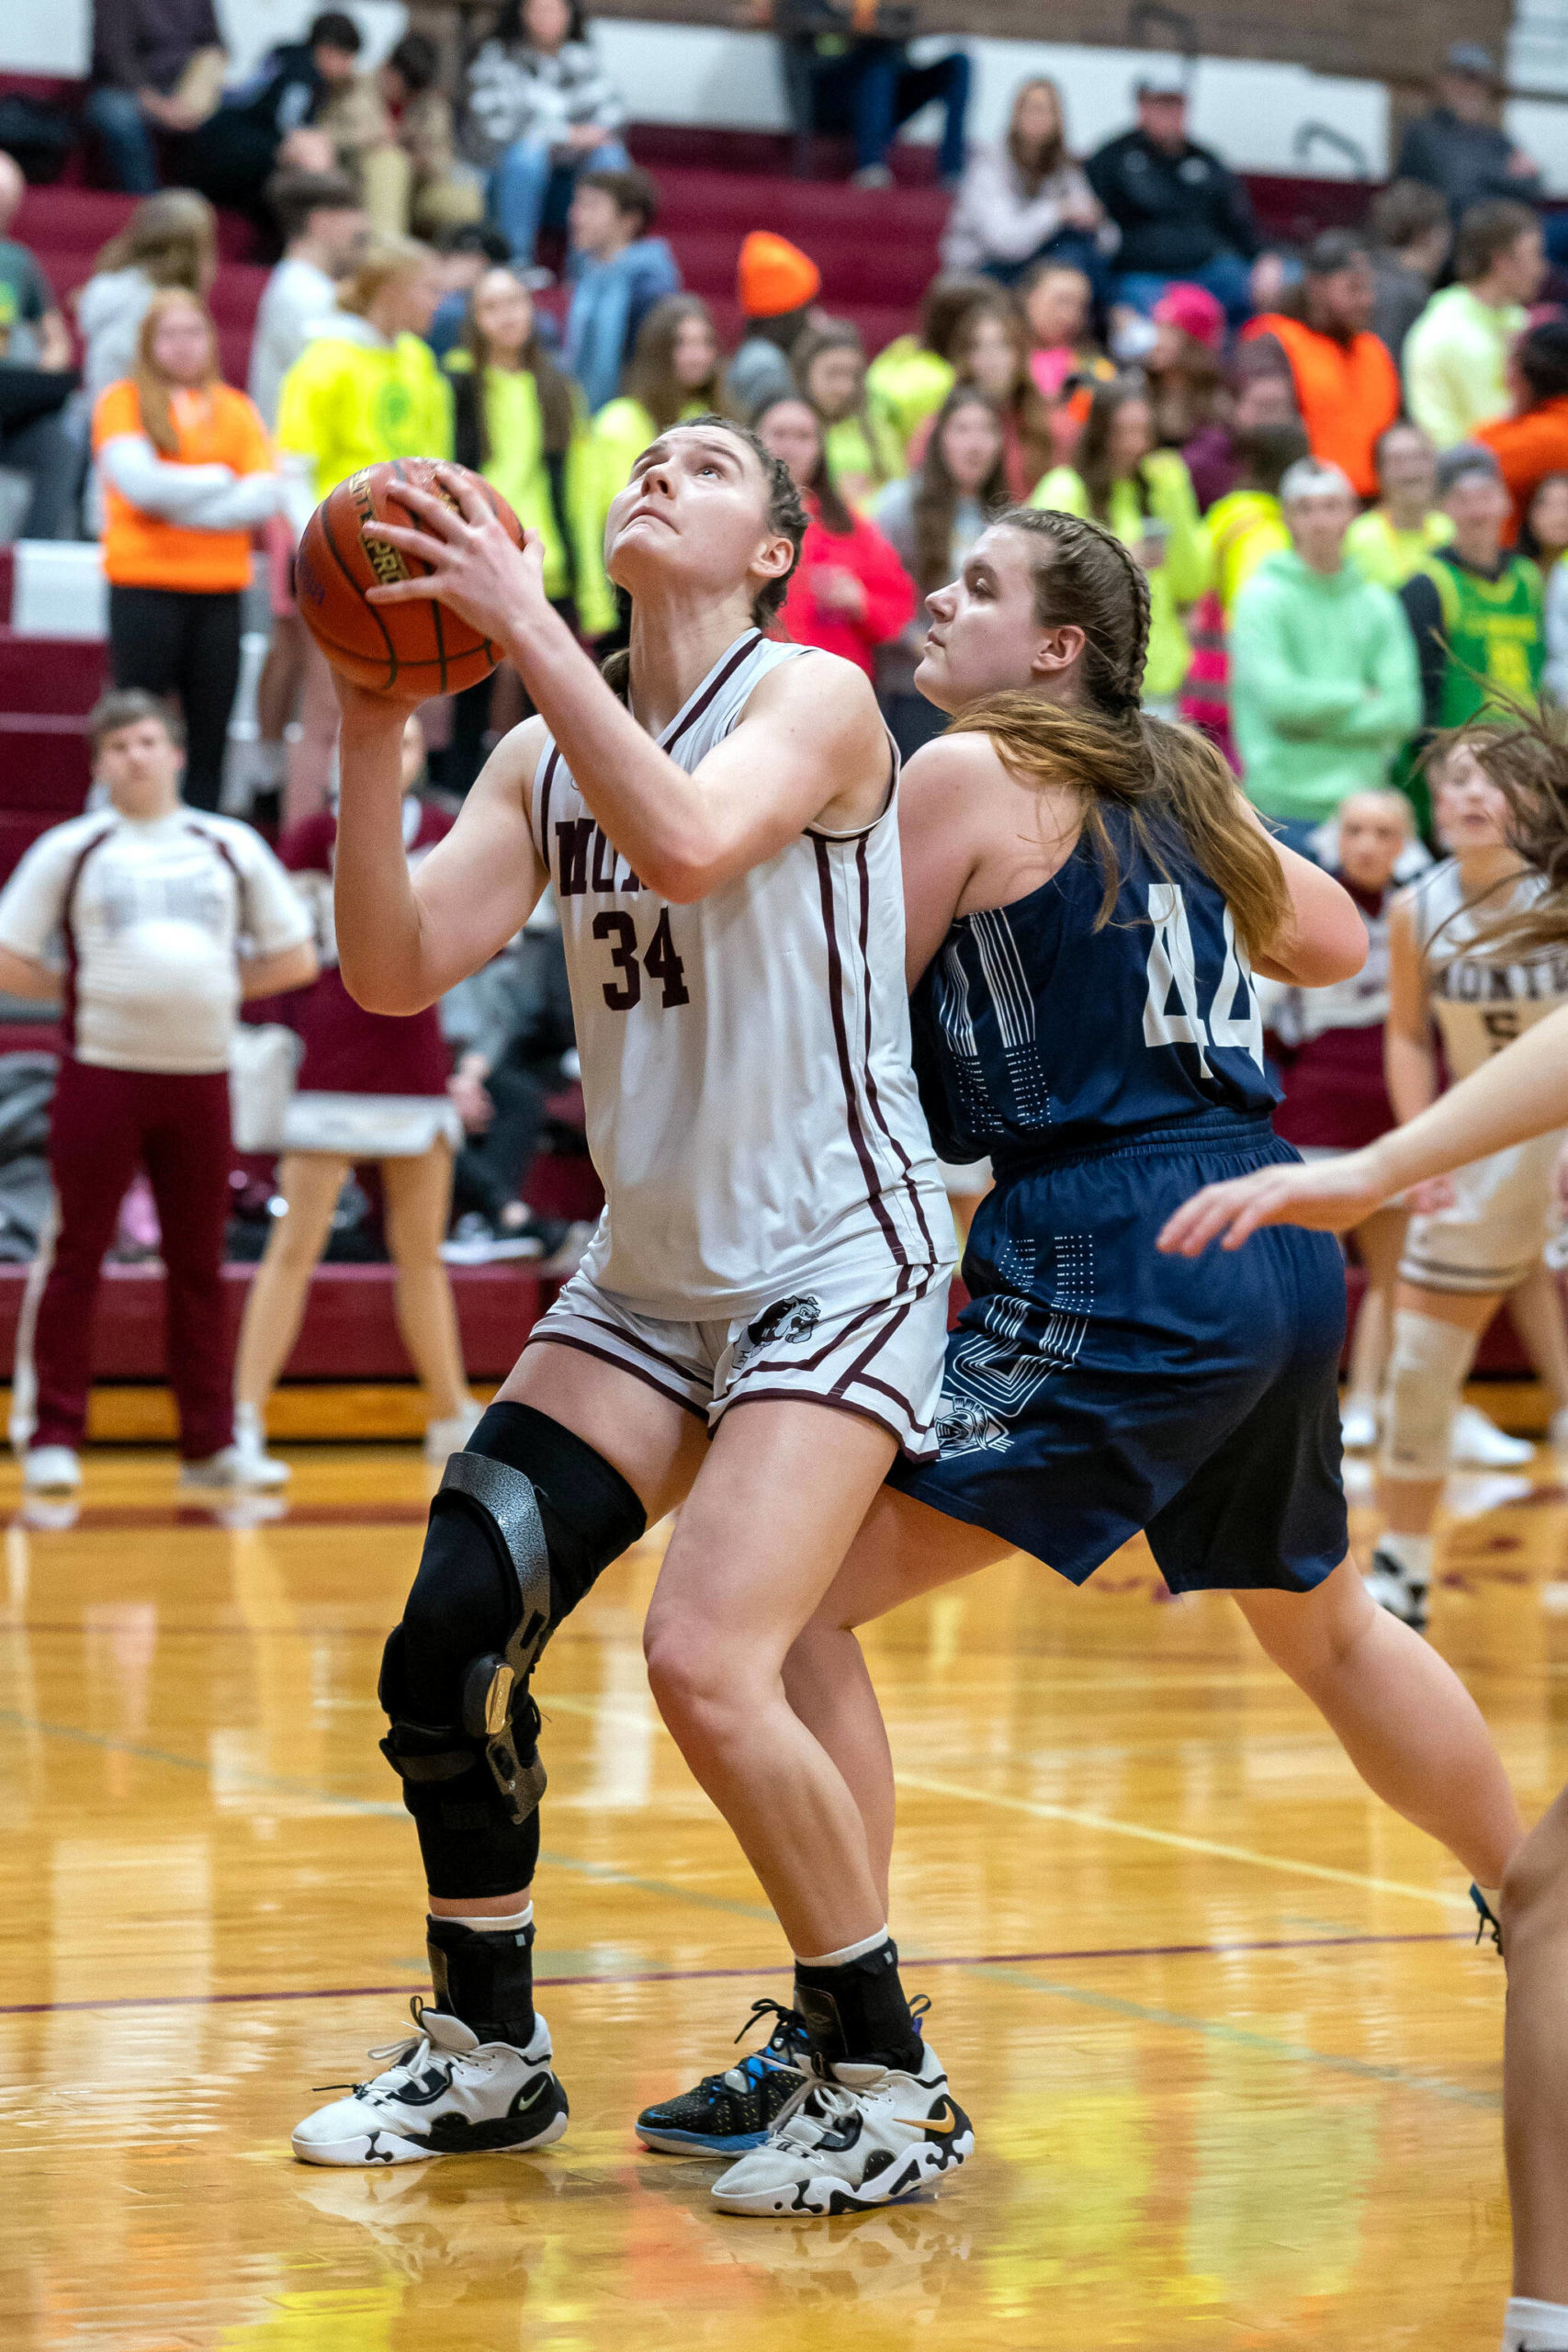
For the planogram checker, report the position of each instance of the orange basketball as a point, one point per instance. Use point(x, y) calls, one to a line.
point(419, 647)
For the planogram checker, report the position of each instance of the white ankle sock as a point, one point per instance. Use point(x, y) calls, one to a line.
point(1529, 2326)
point(492, 1923)
point(842, 1959)
point(1414, 1553)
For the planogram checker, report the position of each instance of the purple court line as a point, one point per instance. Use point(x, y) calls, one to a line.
point(706, 1976)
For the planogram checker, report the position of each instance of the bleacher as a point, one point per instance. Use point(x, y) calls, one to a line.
point(877, 252)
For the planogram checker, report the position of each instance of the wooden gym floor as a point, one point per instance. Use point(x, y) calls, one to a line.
point(1231, 2056)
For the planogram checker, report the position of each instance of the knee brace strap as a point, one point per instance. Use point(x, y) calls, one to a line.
point(525, 1519)
point(1426, 1373)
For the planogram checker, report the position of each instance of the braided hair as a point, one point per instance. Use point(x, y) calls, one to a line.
point(1177, 801)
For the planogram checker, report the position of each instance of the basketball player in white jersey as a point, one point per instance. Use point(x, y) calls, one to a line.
point(724, 852)
point(1448, 984)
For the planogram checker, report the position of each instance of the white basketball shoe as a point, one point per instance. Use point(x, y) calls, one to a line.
point(852, 2137)
point(1477, 1444)
point(442, 2093)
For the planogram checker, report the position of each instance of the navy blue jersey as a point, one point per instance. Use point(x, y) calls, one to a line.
point(1035, 1034)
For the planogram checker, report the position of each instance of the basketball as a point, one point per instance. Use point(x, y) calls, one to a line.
point(418, 646)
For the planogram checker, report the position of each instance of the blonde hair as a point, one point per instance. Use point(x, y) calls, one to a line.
point(171, 238)
point(1172, 785)
point(383, 259)
point(152, 387)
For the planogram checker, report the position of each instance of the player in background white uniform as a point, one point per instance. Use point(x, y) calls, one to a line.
point(724, 852)
point(1507, 1101)
point(1461, 1262)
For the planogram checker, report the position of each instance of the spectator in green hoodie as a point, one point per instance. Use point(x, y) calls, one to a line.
point(1324, 689)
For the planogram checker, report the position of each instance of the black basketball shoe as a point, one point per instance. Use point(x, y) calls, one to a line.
point(728, 2113)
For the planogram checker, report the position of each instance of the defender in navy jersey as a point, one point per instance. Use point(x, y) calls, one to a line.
point(1086, 896)
point(1090, 1395)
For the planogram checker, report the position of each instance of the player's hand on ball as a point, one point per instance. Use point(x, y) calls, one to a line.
point(1326, 1196)
point(475, 567)
point(376, 710)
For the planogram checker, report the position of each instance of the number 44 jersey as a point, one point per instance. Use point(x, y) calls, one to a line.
point(1040, 1031)
point(750, 1105)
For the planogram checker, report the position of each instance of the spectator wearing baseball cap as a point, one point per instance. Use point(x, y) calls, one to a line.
point(1346, 382)
point(778, 286)
point(1457, 145)
point(1533, 441)
point(1186, 381)
point(1181, 211)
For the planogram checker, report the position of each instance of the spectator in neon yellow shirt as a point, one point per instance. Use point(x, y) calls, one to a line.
point(1392, 539)
point(1456, 354)
point(367, 387)
point(1144, 496)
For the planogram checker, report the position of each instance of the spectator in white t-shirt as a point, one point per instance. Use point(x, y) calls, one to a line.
point(148, 921)
point(323, 225)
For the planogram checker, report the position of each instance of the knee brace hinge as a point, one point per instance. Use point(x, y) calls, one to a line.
point(495, 1689)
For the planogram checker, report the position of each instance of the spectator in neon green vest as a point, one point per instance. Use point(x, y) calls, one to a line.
point(1475, 611)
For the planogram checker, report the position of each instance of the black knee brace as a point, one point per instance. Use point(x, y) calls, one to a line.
point(526, 1519)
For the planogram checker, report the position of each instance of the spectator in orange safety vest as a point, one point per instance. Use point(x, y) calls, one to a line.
point(1347, 384)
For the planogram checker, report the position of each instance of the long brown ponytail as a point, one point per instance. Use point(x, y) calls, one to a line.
point(1172, 787)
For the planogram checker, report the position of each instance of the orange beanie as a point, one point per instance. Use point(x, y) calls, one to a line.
point(775, 276)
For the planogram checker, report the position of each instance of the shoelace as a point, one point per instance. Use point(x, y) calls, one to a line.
point(790, 2023)
point(790, 2026)
point(407, 2056)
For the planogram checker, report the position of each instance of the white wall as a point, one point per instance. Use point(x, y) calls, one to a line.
point(1253, 113)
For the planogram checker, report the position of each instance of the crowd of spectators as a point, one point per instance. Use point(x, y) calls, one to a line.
point(1343, 470)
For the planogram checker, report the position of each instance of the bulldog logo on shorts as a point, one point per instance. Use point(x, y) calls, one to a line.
point(786, 1322)
point(964, 1427)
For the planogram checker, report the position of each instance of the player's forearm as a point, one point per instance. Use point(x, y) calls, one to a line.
point(656, 815)
point(21, 975)
point(1522, 1092)
point(1410, 1073)
point(383, 953)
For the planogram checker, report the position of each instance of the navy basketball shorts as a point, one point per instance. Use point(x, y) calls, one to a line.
point(1095, 1390)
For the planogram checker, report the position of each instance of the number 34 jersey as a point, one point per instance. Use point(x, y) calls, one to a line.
point(1481, 1002)
point(1039, 1034)
point(746, 1072)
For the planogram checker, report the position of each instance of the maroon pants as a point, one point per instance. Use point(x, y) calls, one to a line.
point(104, 1124)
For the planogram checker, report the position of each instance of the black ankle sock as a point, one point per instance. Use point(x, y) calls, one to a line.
point(483, 1977)
point(857, 2010)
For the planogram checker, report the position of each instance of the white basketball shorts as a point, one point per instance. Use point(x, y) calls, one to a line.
point(1502, 1214)
point(879, 1355)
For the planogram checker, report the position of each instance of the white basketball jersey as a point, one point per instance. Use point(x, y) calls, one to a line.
point(751, 1104)
point(1480, 1001)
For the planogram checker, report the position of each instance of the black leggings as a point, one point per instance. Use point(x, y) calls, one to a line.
point(176, 641)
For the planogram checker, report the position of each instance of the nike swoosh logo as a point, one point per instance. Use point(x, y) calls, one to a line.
point(948, 2122)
